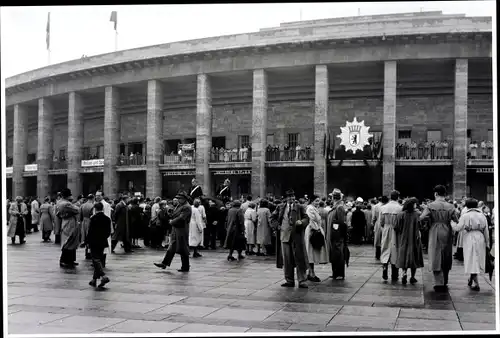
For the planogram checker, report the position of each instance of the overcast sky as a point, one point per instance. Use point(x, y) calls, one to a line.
point(78, 30)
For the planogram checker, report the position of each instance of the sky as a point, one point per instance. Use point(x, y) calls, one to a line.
point(78, 30)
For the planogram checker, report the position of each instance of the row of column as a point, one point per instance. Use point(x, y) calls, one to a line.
point(204, 135)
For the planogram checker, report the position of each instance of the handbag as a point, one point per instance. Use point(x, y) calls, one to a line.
point(317, 239)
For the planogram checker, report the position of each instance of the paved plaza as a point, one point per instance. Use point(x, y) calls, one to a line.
point(219, 296)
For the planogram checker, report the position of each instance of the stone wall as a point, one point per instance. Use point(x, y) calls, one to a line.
point(93, 132)
point(60, 138)
point(133, 127)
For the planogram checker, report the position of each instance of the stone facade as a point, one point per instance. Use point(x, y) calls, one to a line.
point(320, 130)
point(44, 153)
point(75, 142)
point(389, 141)
point(460, 144)
point(111, 140)
point(154, 138)
point(259, 127)
point(203, 132)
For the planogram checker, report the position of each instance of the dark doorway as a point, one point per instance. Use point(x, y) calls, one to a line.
point(92, 182)
point(359, 181)
point(420, 181)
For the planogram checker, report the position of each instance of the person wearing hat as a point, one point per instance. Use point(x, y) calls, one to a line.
point(70, 231)
point(358, 222)
point(389, 244)
point(17, 225)
point(180, 219)
point(86, 211)
point(122, 231)
point(293, 220)
point(99, 230)
point(336, 236)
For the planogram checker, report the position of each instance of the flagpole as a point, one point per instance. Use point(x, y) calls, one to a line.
point(48, 56)
point(116, 41)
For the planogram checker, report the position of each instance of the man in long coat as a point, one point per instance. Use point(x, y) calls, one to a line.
point(122, 232)
point(293, 220)
point(336, 235)
point(35, 214)
point(195, 190)
point(389, 245)
point(86, 211)
point(17, 223)
point(70, 230)
point(440, 214)
point(180, 218)
point(57, 220)
point(377, 233)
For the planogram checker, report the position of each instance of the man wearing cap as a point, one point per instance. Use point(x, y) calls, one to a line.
point(86, 211)
point(70, 231)
point(336, 236)
point(389, 245)
point(180, 219)
point(293, 220)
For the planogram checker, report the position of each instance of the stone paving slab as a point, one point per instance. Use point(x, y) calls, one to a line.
point(221, 296)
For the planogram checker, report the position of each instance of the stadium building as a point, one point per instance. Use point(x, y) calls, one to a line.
point(265, 110)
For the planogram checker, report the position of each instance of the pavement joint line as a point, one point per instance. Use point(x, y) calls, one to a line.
point(397, 320)
point(336, 313)
point(371, 276)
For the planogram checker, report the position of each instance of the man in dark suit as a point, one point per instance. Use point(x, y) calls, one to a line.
point(180, 218)
point(292, 221)
point(122, 232)
point(195, 190)
point(97, 240)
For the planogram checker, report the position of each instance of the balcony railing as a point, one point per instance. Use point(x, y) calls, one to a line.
point(230, 155)
point(131, 160)
point(424, 152)
point(59, 164)
point(481, 153)
point(279, 155)
point(368, 153)
point(172, 158)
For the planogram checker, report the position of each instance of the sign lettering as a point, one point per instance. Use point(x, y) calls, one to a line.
point(485, 170)
point(93, 163)
point(31, 167)
point(233, 172)
point(179, 173)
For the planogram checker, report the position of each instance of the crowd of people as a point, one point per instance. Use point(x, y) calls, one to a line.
point(284, 152)
point(301, 233)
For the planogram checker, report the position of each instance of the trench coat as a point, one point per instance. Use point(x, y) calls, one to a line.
point(440, 214)
point(410, 255)
point(292, 232)
point(235, 238)
point(181, 216)
point(70, 230)
point(389, 245)
point(122, 232)
point(474, 225)
point(195, 227)
point(250, 216)
point(263, 226)
point(35, 212)
point(13, 212)
point(46, 217)
point(86, 211)
point(57, 220)
point(314, 256)
point(460, 235)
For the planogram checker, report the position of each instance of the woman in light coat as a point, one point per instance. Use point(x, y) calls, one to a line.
point(315, 256)
point(250, 221)
point(263, 227)
point(17, 225)
point(475, 241)
point(195, 228)
point(46, 219)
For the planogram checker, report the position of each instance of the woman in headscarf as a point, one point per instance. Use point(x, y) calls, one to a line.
point(263, 227)
point(46, 220)
point(476, 240)
point(250, 220)
point(316, 254)
point(410, 253)
point(17, 225)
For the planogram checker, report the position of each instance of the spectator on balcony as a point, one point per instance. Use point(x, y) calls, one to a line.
point(445, 149)
point(433, 150)
point(413, 151)
point(298, 153)
point(484, 155)
point(138, 159)
point(489, 149)
point(473, 150)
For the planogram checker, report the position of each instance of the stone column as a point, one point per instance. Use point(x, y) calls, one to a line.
point(460, 133)
point(75, 142)
point(203, 132)
point(259, 133)
point(154, 138)
point(320, 129)
point(20, 152)
point(45, 152)
point(111, 140)
point(389, 141)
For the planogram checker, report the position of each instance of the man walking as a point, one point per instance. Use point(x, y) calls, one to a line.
point(86, 211)
point(97, 240)
point(181, 216)
point(388, 219)
point(292, 218)
point(440, 214)
point(70, 231)
point(122, 232)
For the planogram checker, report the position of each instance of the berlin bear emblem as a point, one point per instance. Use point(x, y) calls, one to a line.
point(354, 136)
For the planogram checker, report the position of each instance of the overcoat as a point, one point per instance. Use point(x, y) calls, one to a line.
point(181, 216)
point(70, 231)
point(195, 227)
point(410, 255)
point(263, 226)
point(336, 215)
point(57, 220)
point(86, 211)
point(440, 214)
point(250, 216)
point(314, 256)
point(377, 231)
point(98, 232)
point(389, 245)
point(292, 232)
point(46, 217)
point(35, 212)
point(235, 238)
point(474, 226)
point(14, 212)
point(122, 232)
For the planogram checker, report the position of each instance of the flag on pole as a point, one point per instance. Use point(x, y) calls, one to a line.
point(114, 18)
point(47, 38)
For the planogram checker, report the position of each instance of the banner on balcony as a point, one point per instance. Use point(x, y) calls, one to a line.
point(233, 172)
point(31, 167)
point(180, 173)
point(485, 170)
point(354, 136)
point(93, 163)
point(186, 146)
